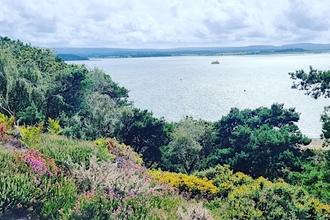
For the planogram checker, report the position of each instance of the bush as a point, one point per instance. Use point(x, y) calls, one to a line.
point(246, 198)
point(190, 185)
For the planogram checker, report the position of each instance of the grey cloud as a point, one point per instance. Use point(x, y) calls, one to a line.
point(163, 23)
point(301, 16)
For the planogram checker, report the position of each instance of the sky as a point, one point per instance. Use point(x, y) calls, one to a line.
point(164, 23)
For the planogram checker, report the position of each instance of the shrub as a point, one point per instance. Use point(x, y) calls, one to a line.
point(54, 127)
point(67, 152)
point(30, 136)
point(190, 185)
point(17, 192)
point(59, 195)
point(246, 198)
point(123, 151)
point(123, 178)
point(35, 162)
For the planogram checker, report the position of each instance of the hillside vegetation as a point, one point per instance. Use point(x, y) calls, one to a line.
point(73, 147)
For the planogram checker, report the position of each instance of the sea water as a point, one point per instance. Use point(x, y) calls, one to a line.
point(175, 87)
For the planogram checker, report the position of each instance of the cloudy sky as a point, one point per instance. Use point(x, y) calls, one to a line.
point(164, 23)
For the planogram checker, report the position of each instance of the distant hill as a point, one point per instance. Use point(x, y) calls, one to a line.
point(206, 51)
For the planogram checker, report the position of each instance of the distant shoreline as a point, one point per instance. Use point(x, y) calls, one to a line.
point(316, 144)
point(86, 53)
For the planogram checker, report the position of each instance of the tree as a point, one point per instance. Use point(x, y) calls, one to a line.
point(316, 83)
point(261, 142)
point(103, 84)
point(68, 91)
point(184, 150)
point(145, 134)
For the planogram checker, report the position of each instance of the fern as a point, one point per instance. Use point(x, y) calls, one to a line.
point(30, 136)
point(54, 127)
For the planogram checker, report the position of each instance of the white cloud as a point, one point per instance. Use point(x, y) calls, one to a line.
point(164, 23)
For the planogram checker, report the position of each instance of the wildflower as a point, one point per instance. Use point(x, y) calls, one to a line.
point(131, 194)
point(118, 210)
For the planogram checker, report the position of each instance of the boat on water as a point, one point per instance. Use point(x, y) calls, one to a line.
point(215, 62)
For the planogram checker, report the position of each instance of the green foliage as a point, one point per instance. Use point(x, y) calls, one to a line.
point(102, 145)
point(30, 136)
point(103, 84)
point(54, 127)
point(17, 191)
point(242, 197)
point(97, 205)
point(30, 185)
point(61, 195)
point(67, 91)
point(316, 83)
point(315, 177)
point(325, 118)
point(18, 95)
point(146, 135)
point(184, 152)
point(260, 142)
point(9, 121)
point(67, 152)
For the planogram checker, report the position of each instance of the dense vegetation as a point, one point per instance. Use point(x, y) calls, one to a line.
point(238, 167)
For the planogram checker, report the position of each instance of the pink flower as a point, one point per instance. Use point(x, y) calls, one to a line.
point(37, 182)
point(131, 194)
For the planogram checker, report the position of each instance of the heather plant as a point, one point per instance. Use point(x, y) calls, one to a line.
point(36, 162)
point(7, 159)
point(123, 177)
point(109, 205)
point(57, 194)
point(67, 152)
point(123, 151)
point(32, 184)
point(191, 186)
point(96, 205)
point(17, 192)
point(195, 212)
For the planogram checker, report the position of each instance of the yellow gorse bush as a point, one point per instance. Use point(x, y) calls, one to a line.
point(193, 185)
point(248, 198)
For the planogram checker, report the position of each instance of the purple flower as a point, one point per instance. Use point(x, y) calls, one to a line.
point(131, 194)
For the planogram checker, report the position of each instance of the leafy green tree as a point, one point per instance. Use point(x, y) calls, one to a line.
point(316, 83)
point(103, 84)
point(146, 135)
point(184, 149)
point(184, 152)
point(68, 91)
point(315, 176)
point(261, 142)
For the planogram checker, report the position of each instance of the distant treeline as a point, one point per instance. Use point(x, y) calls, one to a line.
point(67, 57)
point(198, 51)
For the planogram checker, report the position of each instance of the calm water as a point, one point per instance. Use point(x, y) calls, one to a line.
point(172, 87)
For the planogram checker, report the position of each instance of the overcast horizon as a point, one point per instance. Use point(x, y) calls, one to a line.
point(165, 24)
